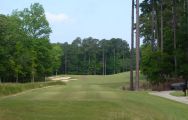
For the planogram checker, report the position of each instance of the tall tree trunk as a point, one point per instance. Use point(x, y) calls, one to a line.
point(33, 75)
point(65, 63)
point(95, 65)
point(137, 46)
point(33, 78)
point(153, 25)
point(17, 78)
point(84, 66)
point(157, 30)
point(56, 72)
point(78, 68)
point(45, 78)
point(124, 63)
point(114, 61)
point(174, 33)
point(89, 65)
point(103, 62)
point(132, 47)
point(162, 26)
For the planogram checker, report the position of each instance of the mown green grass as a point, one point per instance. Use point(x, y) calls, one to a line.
point(90, 98)
point(12, 88)
point(178, 93)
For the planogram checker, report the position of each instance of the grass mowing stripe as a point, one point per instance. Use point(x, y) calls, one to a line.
point(91, 98)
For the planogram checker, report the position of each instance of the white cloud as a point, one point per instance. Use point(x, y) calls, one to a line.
point(60, 18)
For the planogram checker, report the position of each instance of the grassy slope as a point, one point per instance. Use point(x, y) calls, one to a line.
point(90, 98)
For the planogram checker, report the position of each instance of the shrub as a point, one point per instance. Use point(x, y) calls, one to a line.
point(10, 88)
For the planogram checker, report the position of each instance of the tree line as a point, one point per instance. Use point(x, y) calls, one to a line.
point(25, 51)
point(91, 56)
point(26, 54)
point(164, 28)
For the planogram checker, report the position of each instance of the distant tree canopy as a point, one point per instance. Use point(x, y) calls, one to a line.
point(164, 28)
point(93, 56)
point(26, 55)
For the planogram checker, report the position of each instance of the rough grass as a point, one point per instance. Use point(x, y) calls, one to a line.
point(178, 93)
point(91, 98)
point(12, 88)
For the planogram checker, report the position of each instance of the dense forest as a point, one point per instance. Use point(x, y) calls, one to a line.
point(164, 28)
point(93, 56)
point(26, 54)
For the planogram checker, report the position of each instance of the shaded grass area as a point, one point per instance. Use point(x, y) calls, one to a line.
point(178, 93)
point(91, 98)
point(12, 88)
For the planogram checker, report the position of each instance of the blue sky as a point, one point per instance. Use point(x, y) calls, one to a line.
point(81, 18)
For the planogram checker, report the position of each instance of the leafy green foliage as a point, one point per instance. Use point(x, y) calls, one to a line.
point(155, 65)
point(25, 51)
point(27, 55)
point(56, 54)
point(169, 58)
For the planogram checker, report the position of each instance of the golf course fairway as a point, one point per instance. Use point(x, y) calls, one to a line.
point(90, 98)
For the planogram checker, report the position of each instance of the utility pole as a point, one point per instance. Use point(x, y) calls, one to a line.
point(132, 47)
point(161, 26)
point(103, 61)
point(114, 61)
point(137, 46)
point(153, 26)
point(174, 32)
point(105, 64)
